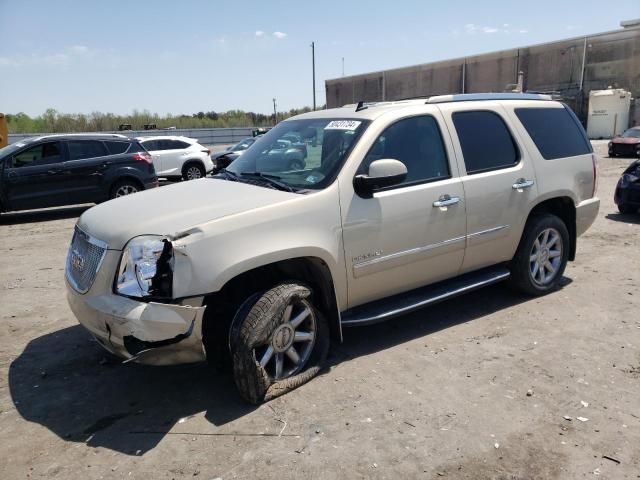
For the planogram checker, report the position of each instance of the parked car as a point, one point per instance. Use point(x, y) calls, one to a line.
point(56, 170)
point(176, 157)
point(626, 145)
point(627, 195)
point(223, 158)
point(409, 203)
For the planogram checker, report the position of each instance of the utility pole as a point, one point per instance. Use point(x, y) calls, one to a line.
point(343, 66)
point(275, 115)
point(313, 71)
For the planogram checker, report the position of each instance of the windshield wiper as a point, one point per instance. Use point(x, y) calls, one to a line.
point(270, 179)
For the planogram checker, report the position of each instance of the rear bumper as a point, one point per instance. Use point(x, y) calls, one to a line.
point(625, 150)
point(586, 213)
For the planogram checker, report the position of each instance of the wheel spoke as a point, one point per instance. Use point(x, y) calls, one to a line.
point(303, 337)
point(552, 241)
point(536, 246)
point(545, 238)
point(292, 353)
point(300, 318)
point(536, 267)
point(266, 356)
point(555, 253)
point(541, 274)
point(286, 315)
point(533, 257)
point(279, 364)
point(549, 268)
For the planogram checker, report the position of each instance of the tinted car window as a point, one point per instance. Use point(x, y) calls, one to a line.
point(137, 147)
point(171, 145)
point(179, 145)
point(115, 148)
point(554, 131)
point(151, 145)
point(417, 143)
point(41, 154)
point(486, 141)
point(79, 149)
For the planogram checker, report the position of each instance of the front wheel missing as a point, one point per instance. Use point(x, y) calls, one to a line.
point(281, 342)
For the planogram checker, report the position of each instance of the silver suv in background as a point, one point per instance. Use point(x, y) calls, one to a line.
point(396, 206)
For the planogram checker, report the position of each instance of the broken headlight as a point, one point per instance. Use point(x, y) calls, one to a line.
point(146, 268)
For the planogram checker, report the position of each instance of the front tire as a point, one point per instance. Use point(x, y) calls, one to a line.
point(279, 341)
point(193, 171)
point(539, 262)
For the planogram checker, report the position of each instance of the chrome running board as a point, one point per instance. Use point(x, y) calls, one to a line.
point(403, 303)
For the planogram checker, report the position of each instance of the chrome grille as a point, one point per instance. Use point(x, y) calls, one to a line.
point(83, 260)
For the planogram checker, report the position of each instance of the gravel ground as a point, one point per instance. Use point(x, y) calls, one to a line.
point(490, 385)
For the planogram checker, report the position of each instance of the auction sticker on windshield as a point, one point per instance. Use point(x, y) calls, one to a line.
point(342, 125)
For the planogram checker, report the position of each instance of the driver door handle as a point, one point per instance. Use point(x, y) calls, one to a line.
point(522, 183)
point(445, 201)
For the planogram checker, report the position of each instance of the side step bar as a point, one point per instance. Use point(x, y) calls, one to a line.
point(403, 303)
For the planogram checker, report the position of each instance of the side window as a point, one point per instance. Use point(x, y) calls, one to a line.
point(179, 145)
point(554, 131)
point(486, 141)
point(151, 145)
point(42, 154)
point(165, 144)
point(417, 143)
point(79, 149)
point(115, 148)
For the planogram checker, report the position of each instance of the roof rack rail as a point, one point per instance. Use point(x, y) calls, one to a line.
point(467, 97)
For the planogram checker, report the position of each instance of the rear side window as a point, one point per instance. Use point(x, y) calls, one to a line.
point(136, 147)
point(486, 141)
point(151, 145)
point(115, 148)
point(79, 149)
point(172, 145)
point(554, 131)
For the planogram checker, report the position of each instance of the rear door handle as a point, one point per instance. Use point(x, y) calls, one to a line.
point(445, 201)
point(522, 183)
point(54, 171)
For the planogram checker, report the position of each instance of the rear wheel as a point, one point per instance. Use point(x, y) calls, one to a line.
point(193, 171)
point(124, 187)
point(626, 208)
point(279, 341)
point(542, 255)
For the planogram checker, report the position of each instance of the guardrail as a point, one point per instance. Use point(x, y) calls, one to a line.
point(205, 136)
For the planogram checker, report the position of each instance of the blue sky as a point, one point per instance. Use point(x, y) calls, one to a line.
point(79, 56)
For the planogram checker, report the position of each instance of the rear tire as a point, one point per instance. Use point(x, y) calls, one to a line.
point(626, 209)
point(542, 255)
point(193, 171)
point(279, 341)
point(124, 187)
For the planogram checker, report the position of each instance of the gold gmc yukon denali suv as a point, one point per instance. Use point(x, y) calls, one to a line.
point(335, 218)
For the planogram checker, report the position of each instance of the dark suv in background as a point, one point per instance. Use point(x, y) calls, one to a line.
point(56, 170)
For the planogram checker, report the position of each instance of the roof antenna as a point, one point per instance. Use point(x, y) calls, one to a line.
point(361, 106)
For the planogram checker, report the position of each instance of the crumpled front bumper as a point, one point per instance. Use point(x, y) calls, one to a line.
point(146, 332)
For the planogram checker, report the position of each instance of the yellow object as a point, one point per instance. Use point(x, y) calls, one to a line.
point(4, 132)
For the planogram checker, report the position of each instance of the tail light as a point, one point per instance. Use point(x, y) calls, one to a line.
point(143, 156)
point(207, 151)
point(594, 160)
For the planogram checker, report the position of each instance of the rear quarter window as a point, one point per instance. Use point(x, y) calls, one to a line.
point(555, 132)
point(136, 147)
point(115, 148)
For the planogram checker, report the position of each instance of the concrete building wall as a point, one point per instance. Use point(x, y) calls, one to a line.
point(609, 59)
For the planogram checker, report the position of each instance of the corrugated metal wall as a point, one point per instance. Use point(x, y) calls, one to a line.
point(611, 58)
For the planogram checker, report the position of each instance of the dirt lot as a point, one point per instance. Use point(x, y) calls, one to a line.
point(440, 393)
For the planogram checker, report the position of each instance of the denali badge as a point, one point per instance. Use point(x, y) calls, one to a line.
point(77, 260)
point(366, 256)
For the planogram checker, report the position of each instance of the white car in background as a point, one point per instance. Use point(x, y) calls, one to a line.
point(178, 157)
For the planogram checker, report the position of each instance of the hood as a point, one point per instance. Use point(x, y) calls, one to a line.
point(174, 208)
point(625, 140)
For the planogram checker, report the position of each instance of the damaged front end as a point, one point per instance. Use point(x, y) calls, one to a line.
point(130, 308)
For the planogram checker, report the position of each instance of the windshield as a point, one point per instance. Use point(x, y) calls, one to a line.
point(9, 149)
point(632, 133)
point(303, 154)
point(243, 145)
